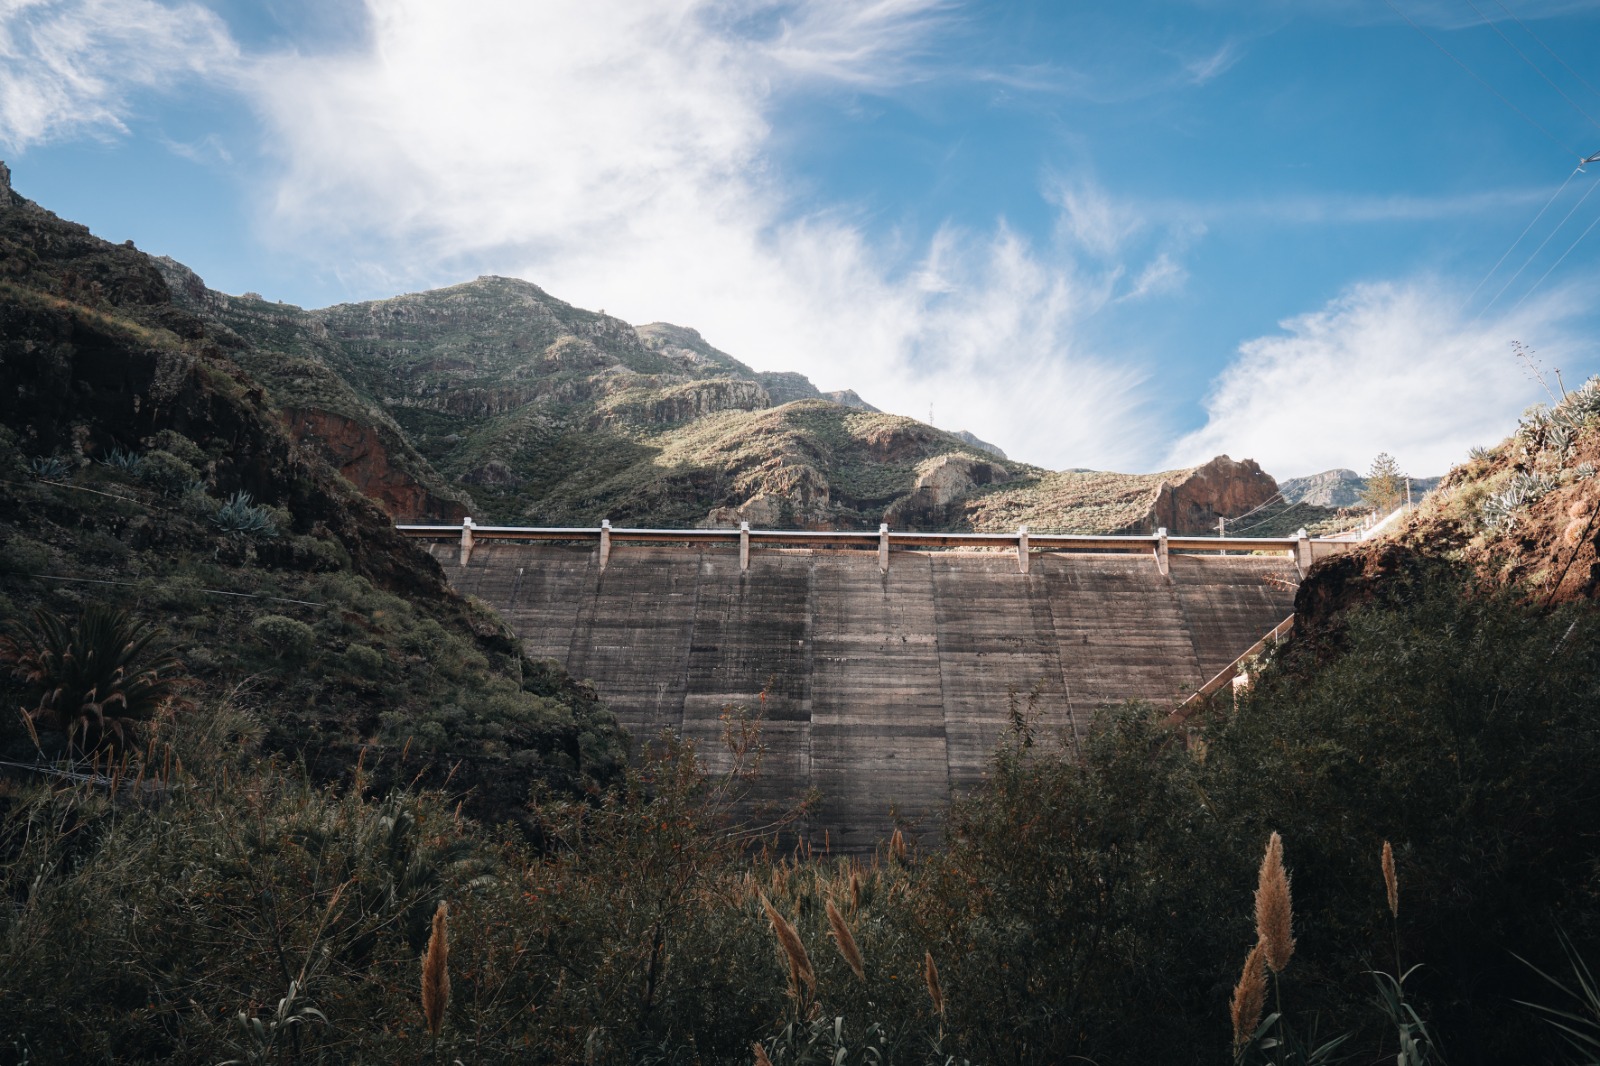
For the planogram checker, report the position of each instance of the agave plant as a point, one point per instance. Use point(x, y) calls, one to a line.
point(240, 514)
point(123, 460)
point(96, 680)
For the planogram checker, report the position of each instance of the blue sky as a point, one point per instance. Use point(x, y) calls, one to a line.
point(1122, 236)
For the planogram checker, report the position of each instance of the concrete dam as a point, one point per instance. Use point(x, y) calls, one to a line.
point(883, 679)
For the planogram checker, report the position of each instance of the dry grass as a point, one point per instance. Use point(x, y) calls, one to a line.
point(1274, 907)
point(1390, 883)
point(848, 949)
point(1249, 996)
point(436, 971)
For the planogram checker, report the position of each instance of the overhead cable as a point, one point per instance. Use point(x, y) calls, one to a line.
point(1527, 29)
point(1535, 255)
point(1536, 68)
point(1557, 263)
point(1479, 79)
point(1524, 233)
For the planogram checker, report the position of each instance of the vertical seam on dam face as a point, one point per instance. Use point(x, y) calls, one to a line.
point(887, 689)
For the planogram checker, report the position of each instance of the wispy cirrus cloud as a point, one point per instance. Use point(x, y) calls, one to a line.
point(74, 67)
point(1392, 367)
point(620, 156)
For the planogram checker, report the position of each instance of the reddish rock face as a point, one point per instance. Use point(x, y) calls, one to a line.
point(358, 453)
point(1221, 488)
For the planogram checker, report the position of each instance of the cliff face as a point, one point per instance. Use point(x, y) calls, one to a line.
point(1222, 488)
point(360, 452)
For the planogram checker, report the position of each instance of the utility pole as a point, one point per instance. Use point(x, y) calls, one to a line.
point(1222, 526)
point(1408, 490)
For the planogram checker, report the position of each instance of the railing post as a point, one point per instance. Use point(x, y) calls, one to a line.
point(744, 545)
point(1302, 551)
point(883, 547)
point(1022, 549)
point(605, 542)
point(466, 541)
point(1161, 550)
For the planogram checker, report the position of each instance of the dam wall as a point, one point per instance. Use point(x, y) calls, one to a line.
point(883, 688)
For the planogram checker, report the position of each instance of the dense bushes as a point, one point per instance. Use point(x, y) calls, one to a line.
point(1096, 907)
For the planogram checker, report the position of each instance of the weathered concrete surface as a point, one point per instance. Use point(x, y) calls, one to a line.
point(883, 691)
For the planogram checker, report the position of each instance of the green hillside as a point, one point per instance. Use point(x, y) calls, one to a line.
point(493, 396)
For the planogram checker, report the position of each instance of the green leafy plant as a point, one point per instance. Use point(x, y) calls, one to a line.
point(123, 461)
point(96, 680)
point(49, 467)
point(1578, 1021)
point(288, 638)
point(240, 514)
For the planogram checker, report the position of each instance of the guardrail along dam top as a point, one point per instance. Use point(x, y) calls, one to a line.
point(884, 688)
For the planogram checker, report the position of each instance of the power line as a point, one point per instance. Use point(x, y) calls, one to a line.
point(1557, 263)
point(1520, 236)
point(1476, 77)
point(1547, 48)
point(1535, 66)
point(214, 592)
point(1534, 256)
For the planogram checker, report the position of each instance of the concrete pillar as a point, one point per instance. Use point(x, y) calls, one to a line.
point(1022, 549)
point(1302, 551)
point(883, 547)
point(466, 540)
point(744, 545)
point(605, 542)
point(1161, 550)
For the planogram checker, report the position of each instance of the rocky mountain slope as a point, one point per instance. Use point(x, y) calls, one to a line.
point(1341, 488)
point(142, 466)
point(495, 397)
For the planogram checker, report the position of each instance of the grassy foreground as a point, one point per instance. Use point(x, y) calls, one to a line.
point(211, 905)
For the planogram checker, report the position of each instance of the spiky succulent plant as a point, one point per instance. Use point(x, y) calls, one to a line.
point(97, 680)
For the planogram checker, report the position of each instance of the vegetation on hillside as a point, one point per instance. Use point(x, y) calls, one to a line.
point(1097, 908)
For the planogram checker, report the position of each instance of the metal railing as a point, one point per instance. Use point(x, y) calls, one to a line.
point(1303, 549)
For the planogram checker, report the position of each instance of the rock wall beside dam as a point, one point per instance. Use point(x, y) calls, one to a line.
point(881, 690)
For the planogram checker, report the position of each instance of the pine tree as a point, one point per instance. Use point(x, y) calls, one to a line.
point(1386, 485)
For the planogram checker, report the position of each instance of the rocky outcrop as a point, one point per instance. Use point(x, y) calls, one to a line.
point(981, 445)
point(357, 450)
point(940, 484)
point(684, 403)
point(785, 387)
point(1222, 488)
point(849, 398)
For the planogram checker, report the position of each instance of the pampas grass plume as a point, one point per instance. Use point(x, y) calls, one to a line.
point(1390, 883)
point(935, 991)
point(761, 1055)
point(846, 942)
point(1249, 996)
point(789, 941)
point(1274, 909)
point(436, 971)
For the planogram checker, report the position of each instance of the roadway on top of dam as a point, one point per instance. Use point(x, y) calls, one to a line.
point(882, 687)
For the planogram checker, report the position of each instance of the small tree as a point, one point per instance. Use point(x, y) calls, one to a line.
point(1386, 485)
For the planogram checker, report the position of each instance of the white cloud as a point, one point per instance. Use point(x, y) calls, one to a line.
point(70, 67)
point(619, 156)
point(1385, 367)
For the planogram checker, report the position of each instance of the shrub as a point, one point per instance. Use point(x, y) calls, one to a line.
point(287, 638)
point(238, 514)
point(364, 660)
point(167, 474)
